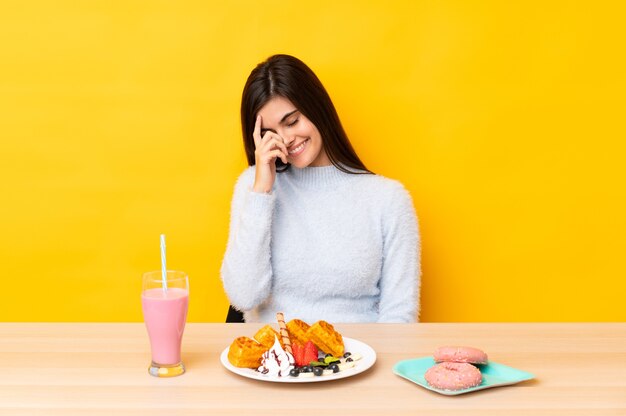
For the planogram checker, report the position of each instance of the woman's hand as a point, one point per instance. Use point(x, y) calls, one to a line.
point(267, 149)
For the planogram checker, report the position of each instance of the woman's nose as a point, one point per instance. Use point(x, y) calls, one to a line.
point(288, 140)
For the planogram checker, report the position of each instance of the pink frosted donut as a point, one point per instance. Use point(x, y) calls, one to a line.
point(453, 376)
point(460, 355)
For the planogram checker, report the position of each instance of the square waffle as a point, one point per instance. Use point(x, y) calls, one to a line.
point(245, 352)
point(326, 338)
point(297, 331)
point(267, 335)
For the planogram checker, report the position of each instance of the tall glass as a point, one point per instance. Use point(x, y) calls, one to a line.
point(165, 313)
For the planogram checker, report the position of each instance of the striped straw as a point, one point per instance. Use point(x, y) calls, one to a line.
point(163, 263)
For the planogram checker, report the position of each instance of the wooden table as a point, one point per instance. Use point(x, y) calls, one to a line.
point(101, 369)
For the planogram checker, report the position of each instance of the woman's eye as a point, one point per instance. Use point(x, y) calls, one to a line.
point(293, 123)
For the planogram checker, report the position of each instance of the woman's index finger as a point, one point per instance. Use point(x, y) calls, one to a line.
point(257, 131)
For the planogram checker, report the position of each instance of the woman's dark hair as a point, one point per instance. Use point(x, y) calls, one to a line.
point(288, 77)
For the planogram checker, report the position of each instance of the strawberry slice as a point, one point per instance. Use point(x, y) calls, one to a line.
point(310, 352)
point(298, 354)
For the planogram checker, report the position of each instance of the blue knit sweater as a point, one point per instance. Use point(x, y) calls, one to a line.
point(323, 244)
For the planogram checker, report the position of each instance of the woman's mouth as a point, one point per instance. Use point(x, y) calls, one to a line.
point(299, 149)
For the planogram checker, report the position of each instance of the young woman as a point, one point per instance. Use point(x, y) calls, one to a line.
point(314, 233)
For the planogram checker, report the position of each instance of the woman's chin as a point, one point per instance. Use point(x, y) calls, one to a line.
point(300, 164)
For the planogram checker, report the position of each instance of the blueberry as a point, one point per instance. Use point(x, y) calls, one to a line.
point(346, 355)
point(328, 355)
point(349, 360)
point(306, 369)
point(294, 372)
point(334, 367)
point(318, 371)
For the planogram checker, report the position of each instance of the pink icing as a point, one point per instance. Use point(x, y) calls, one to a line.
point(453, 376)
point(460, 355)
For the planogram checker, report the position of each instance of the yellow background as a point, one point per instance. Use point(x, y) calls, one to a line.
point(505, 120)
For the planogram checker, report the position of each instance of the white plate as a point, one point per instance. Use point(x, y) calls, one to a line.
point(352, 345)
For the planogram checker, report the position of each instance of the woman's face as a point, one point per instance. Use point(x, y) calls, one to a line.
point(303, 140)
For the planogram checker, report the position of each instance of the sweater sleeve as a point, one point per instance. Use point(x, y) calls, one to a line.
point(246, 268)
point(400, 279)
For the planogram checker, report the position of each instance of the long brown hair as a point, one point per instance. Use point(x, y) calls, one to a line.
point(288, 77)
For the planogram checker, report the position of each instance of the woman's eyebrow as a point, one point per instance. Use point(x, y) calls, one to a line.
point(282, 120)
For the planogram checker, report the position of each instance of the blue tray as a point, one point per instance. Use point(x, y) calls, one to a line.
point(494, 375)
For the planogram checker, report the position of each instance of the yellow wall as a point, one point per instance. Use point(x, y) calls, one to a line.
point(119, 121)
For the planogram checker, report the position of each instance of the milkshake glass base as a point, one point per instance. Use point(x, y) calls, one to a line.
point(166, 370)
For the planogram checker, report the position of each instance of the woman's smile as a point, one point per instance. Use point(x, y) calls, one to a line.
point(296, 151)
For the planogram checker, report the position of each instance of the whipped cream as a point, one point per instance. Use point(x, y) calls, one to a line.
point(276, 361)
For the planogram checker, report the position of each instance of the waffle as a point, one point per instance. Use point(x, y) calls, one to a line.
point(245, 352)
point(326, 338)
point(297, 331)
point(266, 337)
